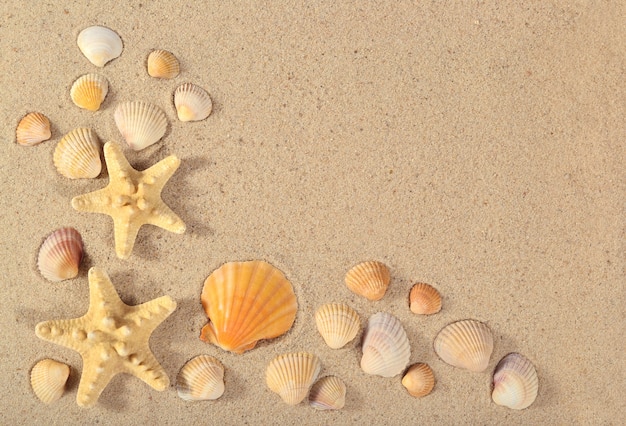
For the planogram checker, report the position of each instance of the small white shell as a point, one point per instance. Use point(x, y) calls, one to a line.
point(192, 102)
point(328, 393)
point(34, 128)
point(515, 382)
point(465, 344)
point(77, 155)
point(200, 379)
point(338, 324)
point(48, 378)
point(99, 44)
point(142, 124)
point(386, 348)
point(88, 91)
point(60, 255)
point(291, 375)
point(163, 64)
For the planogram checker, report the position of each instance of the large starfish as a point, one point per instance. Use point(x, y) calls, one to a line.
point(112, 338)
point(132, 198)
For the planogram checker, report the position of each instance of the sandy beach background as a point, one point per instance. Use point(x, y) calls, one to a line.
point(476, 146)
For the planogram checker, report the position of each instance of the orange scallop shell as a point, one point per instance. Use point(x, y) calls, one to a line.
point(369, 279)
point(419, 380)
point(424, 299)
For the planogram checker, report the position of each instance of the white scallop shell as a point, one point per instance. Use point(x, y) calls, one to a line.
point(142, 124)
point(77, 155)
point(99, 44)
point(88, 91)
point(386, 348)
point(328, 393)
point(465, 344)
point(48, 378)
point(192, 102)
point(60, 255)
point(291, 375)
point(32, 129)
point(200, 379)
point(515, 382)
point(338, 324)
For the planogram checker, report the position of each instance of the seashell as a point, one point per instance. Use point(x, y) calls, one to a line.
point(77, 155)
point(338, 324)
point(328, 393)
point(48, 378)
point(99, 44)
point(386, 349)
point(88, 91)
point(419, 380)
point(515, 382)
point(246, 302)
point(200, 379)
point(465, 344)
point(192, 102)
point(424, 299)
point(162, 64)
point(34, 128)
point(142, 124)
point(60, 255)
point(369, 279)
point(291, 375)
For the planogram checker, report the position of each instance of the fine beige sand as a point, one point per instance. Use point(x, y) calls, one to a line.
point(476, 146)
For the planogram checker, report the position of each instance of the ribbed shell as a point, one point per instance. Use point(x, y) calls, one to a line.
point(99, 44)
point(465, 344)
point(88, 91)
point(291, 375)
point(424, 299)
point(200, 379)
point(369, 279)
point(48, 378)
point(515, 382)
point(34, 128)
point(328, 393)
point(338, 324)
point(60, 255)
point(162, 64)
point(419, 380)
point(140, 123)
point(77, 155)
point(386, 348)
point(192, 102)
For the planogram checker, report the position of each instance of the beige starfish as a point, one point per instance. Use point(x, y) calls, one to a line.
point(112, 338)
point(132, 198)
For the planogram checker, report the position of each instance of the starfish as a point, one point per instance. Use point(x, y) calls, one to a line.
point(132, 198)
point(112, 338)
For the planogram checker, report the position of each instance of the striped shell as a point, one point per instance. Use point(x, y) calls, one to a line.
point(424, 299)
point(34, 128)
point(419, 380)
point(192, 102)
point(162, 64)
point(201, 378)
point(369, 279)
point(386, 348)
point(60, 255)
point(291, 375)
point(77, 155)
point(328, 393)
point(99, 44)
point(48, 378)
point(338, 324)
point(465, 344)
point(88, 91)
point(515, 382)
point(140, 123)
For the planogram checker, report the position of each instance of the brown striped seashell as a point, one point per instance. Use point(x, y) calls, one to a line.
point(99, 44)
point(328, 393)
point(140, 123)
point(163, 64)
point(419, 380)
point(338, 324)
point(291, 375)
point(515, 382)
point(60, 255)
point(192, 102)
point(200, 379)
point(88, 91)
point(77, 155)
point(424, 299)
point(386, 348)
point(369, 279)
point(48, 378)
point(465, 344)
point(34, 128)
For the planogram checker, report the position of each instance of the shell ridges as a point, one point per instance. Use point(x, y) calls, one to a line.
point(32, 129)
point(291, 375)
point(465, 344)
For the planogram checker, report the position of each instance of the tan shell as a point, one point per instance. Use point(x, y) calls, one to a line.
point(60, 255)
point(34, 128)
point(465, 344)
point(386, 348)
point(192, 102)
point(338, 324)
point(328, 393)
point(369, 279)
point(77, 155)
point(424, 299)
point(201, 378)
point(162, 64)
point(515, 382)
point(419, 380)
point(291, 375)
point(99, 44)
point(48, 378)
point(140, 123)
point(88, 91)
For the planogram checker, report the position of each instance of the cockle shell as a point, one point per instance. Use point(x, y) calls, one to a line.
point(291, 375)
point(89, 90)
point(338, 324)
point(465, 344)
point(424, 299)
point(386, 348)
point(369, 279)
point(60, 255)
point(142, 124)
point(328, 393)
point(419, 380)
point(246, 302)
point(162, 64)
point(515, 382)
point(77, 155)
point(48, 378)
point(99, 44)
point(34, 128)
point(201, 378)
point(192, 102)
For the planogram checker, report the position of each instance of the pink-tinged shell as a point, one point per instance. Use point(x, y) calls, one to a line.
point(88, 91)
point(162, 64)
point(200, 379)
point(328, 393)
point(291, 375)
point(77, 155)
point(515, 382)
point(48, 378)
point(424, 299)
point(140, 123)
point(34, 128)
point(192, 102)
point(419, 380)
point(465, 344)
point(369, 279)
point(60, 255)
point(99, 44)
point(386, 348)
point(338, 324)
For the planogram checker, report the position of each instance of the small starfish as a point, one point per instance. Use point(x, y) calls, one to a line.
point(132, 198)
point(112, 338)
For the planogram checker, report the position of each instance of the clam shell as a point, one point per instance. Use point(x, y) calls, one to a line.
point(201, 378)
point(465, 344)
point(291, 375)
point(246, 302)
point(34, 128)
point(338, 324)
point(48, 378)
point(424, 299)
point(99, 44)
point(88, 91)
point(328, 393)
point(192, 102)
point(386, 348)
point(60, 255)
point(162, 64)
point(369, 279)
point(140, 123)
point(77, 155)
point(419, 380)
point(515, 382)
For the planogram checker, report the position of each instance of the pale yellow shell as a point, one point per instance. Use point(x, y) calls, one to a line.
point(140, 123)
point(328, 393)
point(515, 382)
point(291, 375)
point(88, 91)
point(465, 344)
point(338, 324)
point(34, 128)
point(192, 102)
point(48, 378)
point(60, 255)
point(419, 380)
point(369, 279)
point(99, 44)
point(77, 155)
point(424, 299)
point(163, 64)
point(386, 348)
point(201, 378)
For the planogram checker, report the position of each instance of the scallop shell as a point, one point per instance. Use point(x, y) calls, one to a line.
point(465, 344)
point(338, 324)
point(88, 91)
point(515, 382)
point(77, 155)
point(34, 128)
point(48, 378)
point(162, 64)
point(328, 393)
point(419, 380)
point(142, 124)
point(192, 102)
point(201, 378)
point(99, 44)
point(369, 279)
point(246, 302)
point(60, 255)
point(424, 299)
point(291, 375)
point(386, 348)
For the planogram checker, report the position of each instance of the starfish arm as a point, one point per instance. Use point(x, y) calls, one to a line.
point(165, 218)
point(117, 164)
point(145, 366)
point(71, 333)
point(126, 231)
point(97, 373)
point(161, 172)
point(150, 314)
point(99, 201)
point(102, 293)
